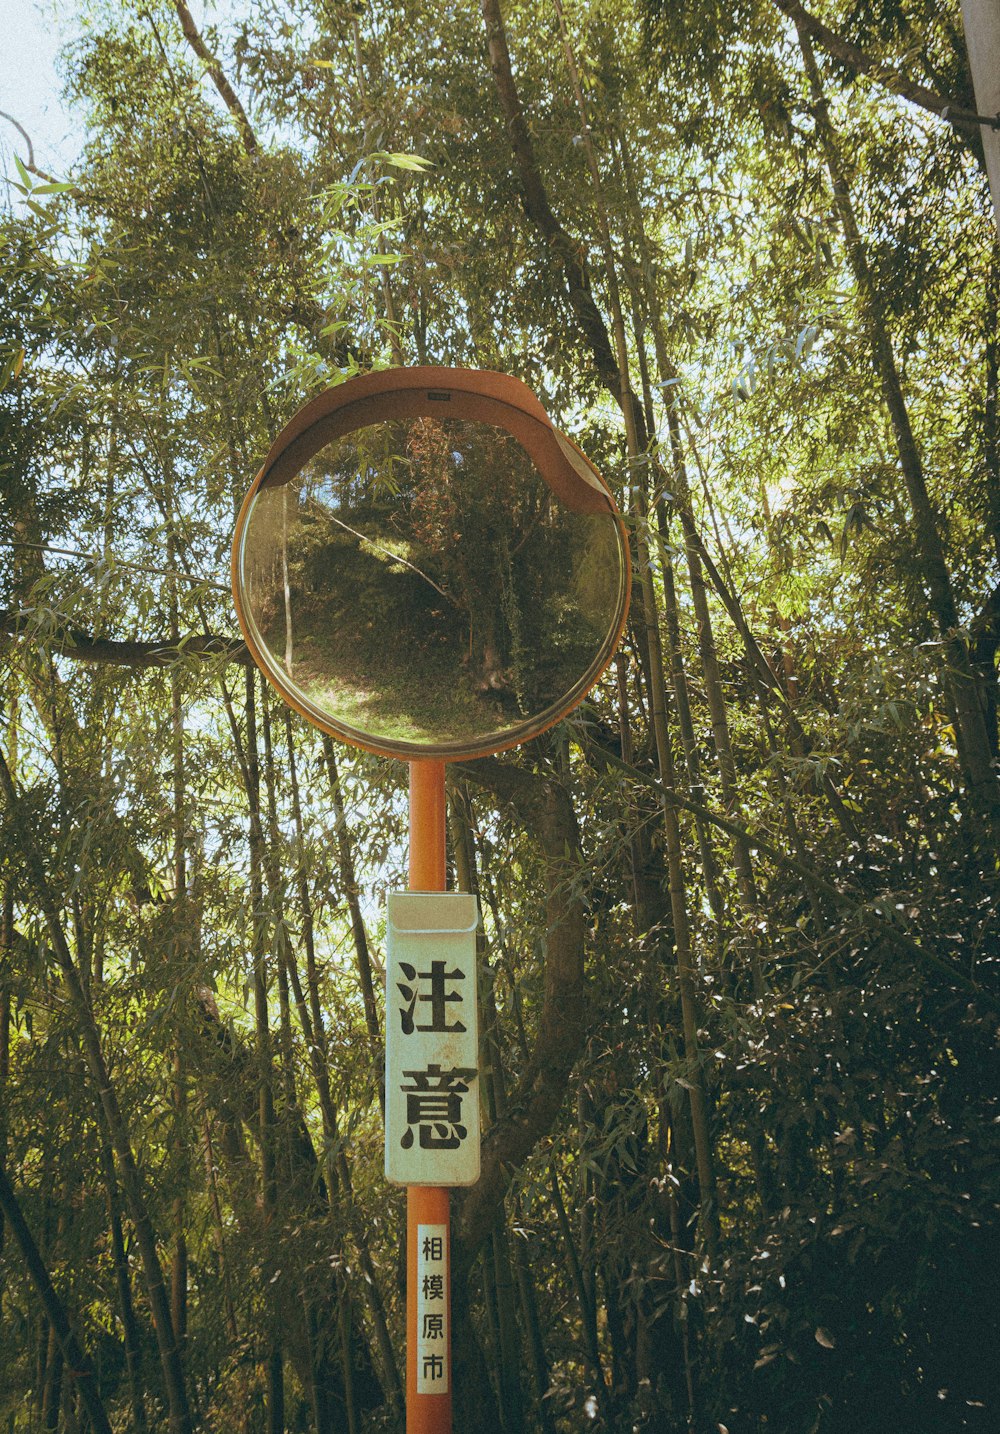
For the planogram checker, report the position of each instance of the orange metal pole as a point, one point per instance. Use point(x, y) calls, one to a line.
point(426, 1204)
point(427, 827)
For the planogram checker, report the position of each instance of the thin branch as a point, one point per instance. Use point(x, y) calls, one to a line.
point(30, 165)
point(119, 563)
point(229, 96)
point(859, 62)
point(363, 537)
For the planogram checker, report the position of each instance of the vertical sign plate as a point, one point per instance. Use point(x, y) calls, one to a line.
point(433, 1343)
point(432, 1039)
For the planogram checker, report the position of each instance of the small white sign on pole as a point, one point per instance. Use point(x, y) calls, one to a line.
point(432, 1039)
point(433, 1308)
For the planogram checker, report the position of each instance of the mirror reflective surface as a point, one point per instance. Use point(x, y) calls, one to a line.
point(419, 589)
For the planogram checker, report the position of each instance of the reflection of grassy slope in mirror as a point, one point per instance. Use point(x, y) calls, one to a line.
point(378, 647)
point(435, 592)
point(374, 643)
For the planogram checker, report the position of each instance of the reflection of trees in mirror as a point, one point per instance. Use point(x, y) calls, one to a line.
point(425, 584)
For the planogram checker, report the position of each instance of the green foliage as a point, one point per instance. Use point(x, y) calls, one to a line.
point(165, 310)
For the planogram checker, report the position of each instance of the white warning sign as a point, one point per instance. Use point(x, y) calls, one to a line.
point(432, 1040)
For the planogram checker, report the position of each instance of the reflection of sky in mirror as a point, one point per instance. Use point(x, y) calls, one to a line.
point(322, 490)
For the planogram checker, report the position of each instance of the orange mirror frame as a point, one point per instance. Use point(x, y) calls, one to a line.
point(438, 393)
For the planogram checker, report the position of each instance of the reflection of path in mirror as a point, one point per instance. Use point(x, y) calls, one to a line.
point(375, 652)
point(418, 582)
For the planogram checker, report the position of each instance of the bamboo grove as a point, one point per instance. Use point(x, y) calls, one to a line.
point(740, 930)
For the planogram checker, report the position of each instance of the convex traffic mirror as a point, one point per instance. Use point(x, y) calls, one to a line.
point(426, 567)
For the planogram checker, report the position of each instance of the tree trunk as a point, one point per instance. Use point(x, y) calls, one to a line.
point(52, 1388)
point(971, 734)
point(313, 1029)
point(6, 959)
point(265, 1093)
point(588, 1314)
point(64, 1347)
point(288, 976)
point(130, 1325)
point(567, 254)
point(182, 955)
point(495, 1089)
point(664, 754)
point(180, 1419)
point(218, 1230)
point(350, 891)
point(537, 1356)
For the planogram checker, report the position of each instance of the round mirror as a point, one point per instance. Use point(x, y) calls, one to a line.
point(418, 588)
